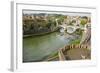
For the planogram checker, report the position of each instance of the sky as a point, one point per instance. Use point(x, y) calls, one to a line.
point(60, 12)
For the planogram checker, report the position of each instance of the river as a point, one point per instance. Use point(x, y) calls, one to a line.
point(38, 48)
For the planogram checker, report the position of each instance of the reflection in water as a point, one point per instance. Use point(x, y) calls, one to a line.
point(38, 48)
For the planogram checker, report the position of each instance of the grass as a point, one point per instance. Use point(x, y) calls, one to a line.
point(77, 41)
point(53, 55)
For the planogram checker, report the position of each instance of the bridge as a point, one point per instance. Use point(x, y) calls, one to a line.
point(70, 28)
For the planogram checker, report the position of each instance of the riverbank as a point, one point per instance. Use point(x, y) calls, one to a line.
point(55, 56)
point(30, 35)
point(73, 51)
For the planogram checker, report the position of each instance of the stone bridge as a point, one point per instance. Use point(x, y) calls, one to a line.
point(70, 28)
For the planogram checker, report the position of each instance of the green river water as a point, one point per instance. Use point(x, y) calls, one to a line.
point(38, 48)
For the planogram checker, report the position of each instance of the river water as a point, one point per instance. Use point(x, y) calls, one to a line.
point(38, 48)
